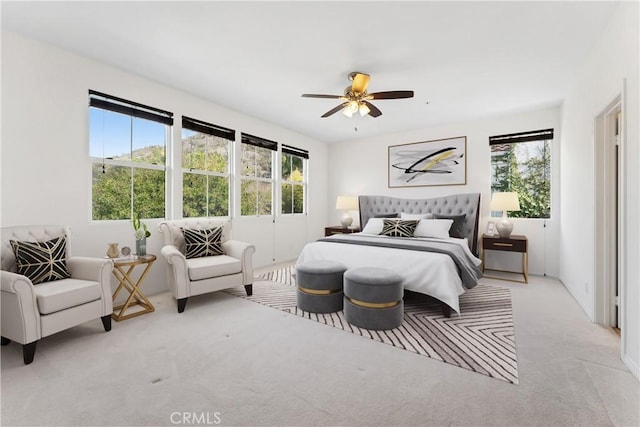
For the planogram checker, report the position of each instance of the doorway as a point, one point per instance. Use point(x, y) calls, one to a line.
point(609, 169)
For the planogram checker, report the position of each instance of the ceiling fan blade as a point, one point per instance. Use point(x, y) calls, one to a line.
point(373, 110)
point(313, 95)
point(392, 94)
point(335, 110)
point(360, 82)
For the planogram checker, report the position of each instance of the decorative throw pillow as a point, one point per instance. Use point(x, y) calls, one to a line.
point(404, 215)
point(398, 228)
point(201, 243)
point(433, 228)
point(458, 223)
point(42, 261)
point(374, 226)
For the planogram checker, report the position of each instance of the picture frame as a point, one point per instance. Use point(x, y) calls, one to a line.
point(491, 228)
point(428, 163)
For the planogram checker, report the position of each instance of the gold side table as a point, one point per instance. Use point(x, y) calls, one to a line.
point(122, 271)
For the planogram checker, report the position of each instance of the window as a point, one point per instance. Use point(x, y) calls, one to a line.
point(521, 162)
point(256, 180)
point(127, 144)
point(205, 168)
point(293, 179)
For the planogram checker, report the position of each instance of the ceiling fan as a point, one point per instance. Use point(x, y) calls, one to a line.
point(356, 98)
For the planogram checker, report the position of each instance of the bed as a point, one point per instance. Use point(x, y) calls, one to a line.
point(442, 268)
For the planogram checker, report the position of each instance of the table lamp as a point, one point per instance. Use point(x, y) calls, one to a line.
point(504, 202)
point(346, 203)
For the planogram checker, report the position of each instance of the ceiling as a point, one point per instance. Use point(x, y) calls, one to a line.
point(464, 60)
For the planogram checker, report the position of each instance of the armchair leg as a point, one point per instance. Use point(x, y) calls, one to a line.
point(106, 322)
point(28, 351)
point(182, 303)
point(5, 341)
point(249, 289)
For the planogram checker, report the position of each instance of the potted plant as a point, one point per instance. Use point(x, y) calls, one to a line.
point(141, 232)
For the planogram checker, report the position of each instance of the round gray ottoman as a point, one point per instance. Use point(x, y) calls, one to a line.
point(373, 298)
point(320, 286)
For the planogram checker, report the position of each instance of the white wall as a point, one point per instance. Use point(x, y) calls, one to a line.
point(46, 172)
point(613, 59)
point(360, 167)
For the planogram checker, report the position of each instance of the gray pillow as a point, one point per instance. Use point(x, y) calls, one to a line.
point(456, 227)
point(387, 215)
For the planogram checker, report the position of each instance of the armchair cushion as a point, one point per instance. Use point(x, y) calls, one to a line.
point(203, 243)
point(41, 261)
point(212, 266)
point(63, 294)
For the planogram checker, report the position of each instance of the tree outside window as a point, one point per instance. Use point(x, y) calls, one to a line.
point(293, 183)
point(205, 168)
point(522, 163)
point(127, 150)
point(256, 180)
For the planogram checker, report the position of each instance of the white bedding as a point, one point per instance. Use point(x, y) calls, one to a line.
point(429, 273)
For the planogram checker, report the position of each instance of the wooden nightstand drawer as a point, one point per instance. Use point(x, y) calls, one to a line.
point(328, 231)
point(513, 243)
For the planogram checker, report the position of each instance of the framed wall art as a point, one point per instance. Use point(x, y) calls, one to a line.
point(438, 162)
point(491, 228)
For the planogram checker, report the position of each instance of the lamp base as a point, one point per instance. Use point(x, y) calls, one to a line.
point(346, 220)
point(504, 228)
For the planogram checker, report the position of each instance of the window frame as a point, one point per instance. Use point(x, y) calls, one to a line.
point(132, 110)
point(546, 137)
point(221, 132)
point(258, 142)
point(304, 156)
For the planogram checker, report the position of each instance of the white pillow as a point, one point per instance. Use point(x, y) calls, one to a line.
point(404, 215)
point(374, 226)
point(433, 228)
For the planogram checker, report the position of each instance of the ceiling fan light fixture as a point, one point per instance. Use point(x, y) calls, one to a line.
point(363, 109)
point(351, 108)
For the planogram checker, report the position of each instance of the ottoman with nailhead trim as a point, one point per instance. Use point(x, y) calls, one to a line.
point(319, 287)
point(373, 298)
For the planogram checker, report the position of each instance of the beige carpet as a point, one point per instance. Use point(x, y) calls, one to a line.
point(481, 339)
point(257, 366)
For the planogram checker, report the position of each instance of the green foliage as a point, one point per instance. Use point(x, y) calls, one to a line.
point(525, 169)
point(204, 194)
point(292, 194)
point(113, 187)
point(122, 190)
point(140, 228)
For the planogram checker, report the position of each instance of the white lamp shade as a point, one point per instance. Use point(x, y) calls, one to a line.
point(505, 202)
point(347, 203)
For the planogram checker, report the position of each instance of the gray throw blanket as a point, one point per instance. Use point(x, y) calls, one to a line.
point(469, 273)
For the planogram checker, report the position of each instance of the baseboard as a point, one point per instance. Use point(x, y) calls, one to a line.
point(633, 367)
point(577, 300)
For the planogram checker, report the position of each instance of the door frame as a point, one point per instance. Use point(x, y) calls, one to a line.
point(607, 215)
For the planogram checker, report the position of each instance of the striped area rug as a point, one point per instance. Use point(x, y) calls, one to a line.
point(481, 339)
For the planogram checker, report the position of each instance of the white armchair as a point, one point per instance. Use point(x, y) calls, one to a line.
point(31, 312)
point(195, 276)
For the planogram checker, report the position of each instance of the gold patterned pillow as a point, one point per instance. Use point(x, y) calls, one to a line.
point(42, 261)
point(399, 228)
point(201, 243)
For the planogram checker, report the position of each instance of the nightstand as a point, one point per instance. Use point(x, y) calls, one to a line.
point(514, 243)
point(328, 231)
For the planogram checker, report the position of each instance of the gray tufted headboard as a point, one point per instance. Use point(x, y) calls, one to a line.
point(456, 204)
